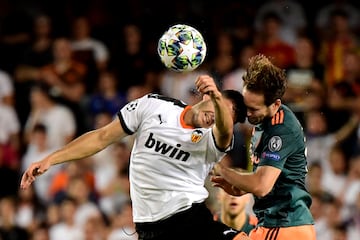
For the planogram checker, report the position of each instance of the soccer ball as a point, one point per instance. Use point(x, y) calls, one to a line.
point(182, 48)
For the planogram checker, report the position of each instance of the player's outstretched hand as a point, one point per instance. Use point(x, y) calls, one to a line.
point(32, 172)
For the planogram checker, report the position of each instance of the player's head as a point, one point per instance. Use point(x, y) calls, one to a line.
point(39, 94)
point(264, 86)
point(238, 105)
point(204, 115)
point(232, 206)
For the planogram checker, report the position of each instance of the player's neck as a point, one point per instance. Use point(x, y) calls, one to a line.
point(237, 223)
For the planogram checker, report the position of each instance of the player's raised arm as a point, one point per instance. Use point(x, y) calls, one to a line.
point(81, 147)
point(223, 129)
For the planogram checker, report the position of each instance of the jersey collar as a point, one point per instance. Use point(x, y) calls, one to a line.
point(182, 121)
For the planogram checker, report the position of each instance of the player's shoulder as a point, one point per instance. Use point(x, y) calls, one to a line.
point(284, 116)
point(159, 98)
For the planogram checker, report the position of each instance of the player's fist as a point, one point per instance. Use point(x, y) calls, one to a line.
point(206, 85)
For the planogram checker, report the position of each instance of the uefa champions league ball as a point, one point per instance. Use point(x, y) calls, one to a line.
point(182, 48)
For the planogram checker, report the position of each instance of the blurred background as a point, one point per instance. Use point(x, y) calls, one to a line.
point(67, 67)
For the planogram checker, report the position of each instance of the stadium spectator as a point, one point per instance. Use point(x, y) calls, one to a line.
point(37, 54)
point(37, 147)
point(116, 190)
point(349, 194)
point(66, 228)
point(129, 55)
point(333, 46)
point(41, 232)
point(58, 119)
point(8, 226)
point(122, 225)
point(233, 80)
point(320, 140)
point(269, 42)
point(324, 13)
point(106, 97)
point(234, 211)
point(333, 181)
point(7, 91)
point(29, 211)
point(66, 78)
point(222, 62)
point(61, 180)
point(353, 227)
point(305, 74)
point(89, 50)
point(291, 13)
point(10, 131)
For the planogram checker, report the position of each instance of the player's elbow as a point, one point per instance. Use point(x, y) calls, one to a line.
point(223, 141)
point(264, 181)
point(261, 190)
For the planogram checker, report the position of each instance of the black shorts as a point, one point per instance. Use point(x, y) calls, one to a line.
point(196, 223)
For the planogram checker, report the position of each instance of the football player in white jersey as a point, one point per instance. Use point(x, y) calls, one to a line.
point(175, 148)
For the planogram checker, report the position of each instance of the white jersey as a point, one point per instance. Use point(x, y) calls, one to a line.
point(169, 161)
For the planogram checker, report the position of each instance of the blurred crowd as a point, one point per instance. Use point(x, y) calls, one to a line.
point(67, 67)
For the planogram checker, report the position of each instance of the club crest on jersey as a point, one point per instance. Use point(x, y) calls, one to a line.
point(196, 136)
point(275, 144)
point(131, 106)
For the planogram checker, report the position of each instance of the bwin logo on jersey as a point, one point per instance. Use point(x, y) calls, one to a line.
point(165, 149)
point(196, 136)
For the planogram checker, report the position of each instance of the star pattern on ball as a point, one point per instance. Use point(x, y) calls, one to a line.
point(188, 49)
point(171, 35)
point(167, 60)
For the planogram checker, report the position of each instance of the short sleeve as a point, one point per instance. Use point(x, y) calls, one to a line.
point(133, 113)
point(279, 145)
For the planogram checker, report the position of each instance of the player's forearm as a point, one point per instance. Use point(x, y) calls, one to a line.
point(82, 147)
point(223, 120)
point(246, 182)
point(223, 130)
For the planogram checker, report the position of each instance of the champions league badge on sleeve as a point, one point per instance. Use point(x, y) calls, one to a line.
point(131, 106)
point(275, 144)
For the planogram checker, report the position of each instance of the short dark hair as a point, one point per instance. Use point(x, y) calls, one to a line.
point(45, 89)
point(40, 127)
point(239, 106)
point(339, 12)
point(263, 77)
point(272, 15)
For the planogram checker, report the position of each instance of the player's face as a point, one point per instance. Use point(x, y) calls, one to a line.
point(232, 205)
point(257, 111)
point(205, 117)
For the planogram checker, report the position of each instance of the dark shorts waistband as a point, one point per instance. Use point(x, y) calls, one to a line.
point(177, 218)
